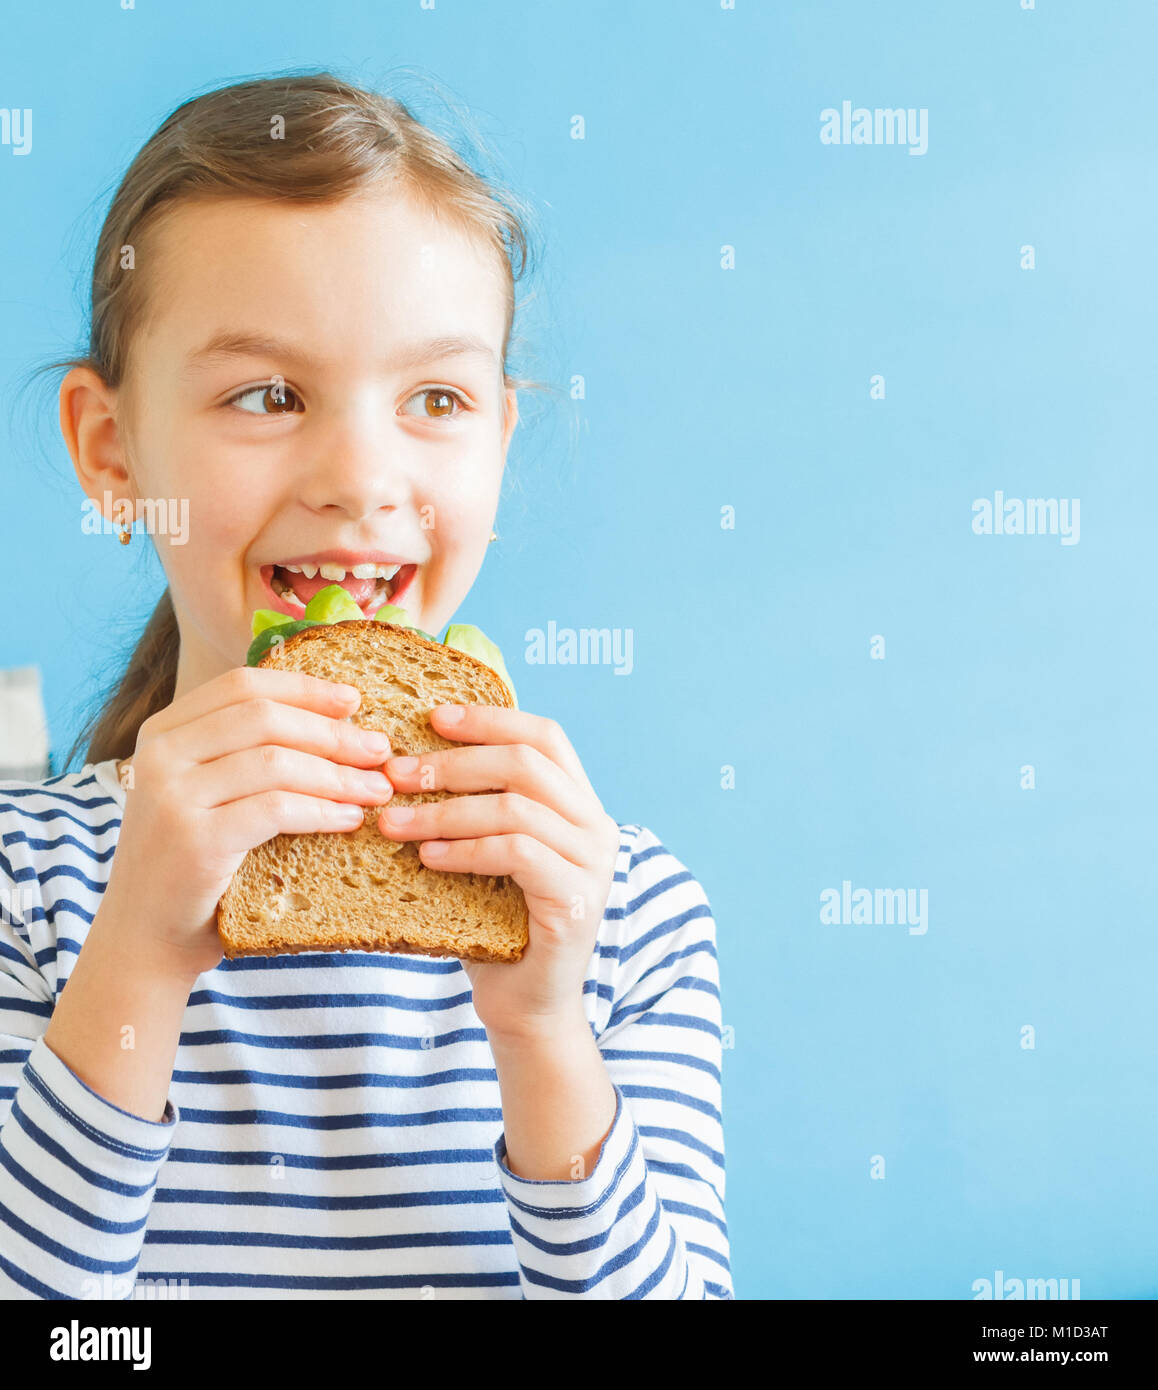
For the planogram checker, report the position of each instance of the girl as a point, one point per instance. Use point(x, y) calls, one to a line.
point(301, 309)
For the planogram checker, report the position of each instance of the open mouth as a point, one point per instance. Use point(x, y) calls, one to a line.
point(370, 588)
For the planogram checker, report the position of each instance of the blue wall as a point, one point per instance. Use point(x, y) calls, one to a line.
point(749, 387)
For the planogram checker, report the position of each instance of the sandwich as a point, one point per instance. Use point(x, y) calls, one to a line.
point(361, 890)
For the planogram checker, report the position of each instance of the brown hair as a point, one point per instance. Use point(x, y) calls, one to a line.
point(339, 138)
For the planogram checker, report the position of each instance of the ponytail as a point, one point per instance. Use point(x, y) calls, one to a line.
point(146, 687)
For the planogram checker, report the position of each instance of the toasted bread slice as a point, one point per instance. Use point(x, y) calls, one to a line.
point(360, 890)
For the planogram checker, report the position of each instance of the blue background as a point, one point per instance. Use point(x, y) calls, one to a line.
point(749, 387)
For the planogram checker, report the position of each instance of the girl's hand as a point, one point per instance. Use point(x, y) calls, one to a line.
point(248, 755)
point(545, 828)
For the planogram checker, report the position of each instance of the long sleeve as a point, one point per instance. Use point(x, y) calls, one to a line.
point(648, 1220)
point(77, 1173)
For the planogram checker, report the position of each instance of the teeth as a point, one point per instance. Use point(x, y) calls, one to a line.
point(337, 573)
point(283, 590)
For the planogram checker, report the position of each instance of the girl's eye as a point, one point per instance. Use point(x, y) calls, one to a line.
point(281, 398)
point(437, 401)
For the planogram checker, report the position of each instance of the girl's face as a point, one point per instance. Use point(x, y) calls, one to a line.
point(336, 427)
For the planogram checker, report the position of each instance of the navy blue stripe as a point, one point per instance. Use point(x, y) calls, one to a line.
point(701, 1025)
point(656, 1278)
point(15, 875)
point(354, 1080)
point(685, 1059)
point(418, 1240)
point(656, 890)
point(58, 813)
point(63, 1252)
point(705, 1107)
point(361, 1119)
point(583, 1246)
point(668, 927)
point(26, 1281)
point(621, 1261)
point(50, 1146)
point(41, 1008)
point(305, 1042)
point(66, 870)
point(692, 982)
point(51, 1198)
point(98, 1136)
point(322, 960)
point(692, 949)
point(689, 1209)
point(709, 1254)
point(385, 1201)
point(315, 1283)
point(8, 953)
point(681, 1170)
point(332, 1163)
point(98, 856)
point(270, 1002)
point(18, 792)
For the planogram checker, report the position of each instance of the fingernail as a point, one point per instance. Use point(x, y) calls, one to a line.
point(374, 742)
point(451, 714)
point(399, 815)
point(403, 765)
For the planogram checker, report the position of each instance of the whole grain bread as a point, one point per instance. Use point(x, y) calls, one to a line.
point(361, 890)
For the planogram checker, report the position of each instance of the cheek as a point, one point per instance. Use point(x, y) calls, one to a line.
point(224, 517)
point(228, 508)
point(456, 503)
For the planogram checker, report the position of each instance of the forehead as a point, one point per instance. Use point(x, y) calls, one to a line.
point(353, 277)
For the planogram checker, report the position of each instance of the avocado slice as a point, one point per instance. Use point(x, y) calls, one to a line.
point(472, 640)
point(332, 605)
point(268, 636)
point(268, 617)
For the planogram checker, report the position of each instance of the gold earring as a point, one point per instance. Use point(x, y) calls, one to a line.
point(126, 533)
point(494, 536)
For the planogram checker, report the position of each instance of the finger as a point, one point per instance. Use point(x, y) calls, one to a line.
point(263, 720)
point(493, 724)
point(481, 768)
point(249, 682)
point(508, 813)
point(270, 767)
point(532, 865)
point(251, 820)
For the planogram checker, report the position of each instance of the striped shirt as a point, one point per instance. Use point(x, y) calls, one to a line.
point(334, 1122)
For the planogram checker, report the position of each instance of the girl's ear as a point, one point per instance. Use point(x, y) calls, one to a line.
point(88, 424)
point(510, 417)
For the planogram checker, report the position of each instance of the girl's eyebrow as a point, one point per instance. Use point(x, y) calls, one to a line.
point(228, 344)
